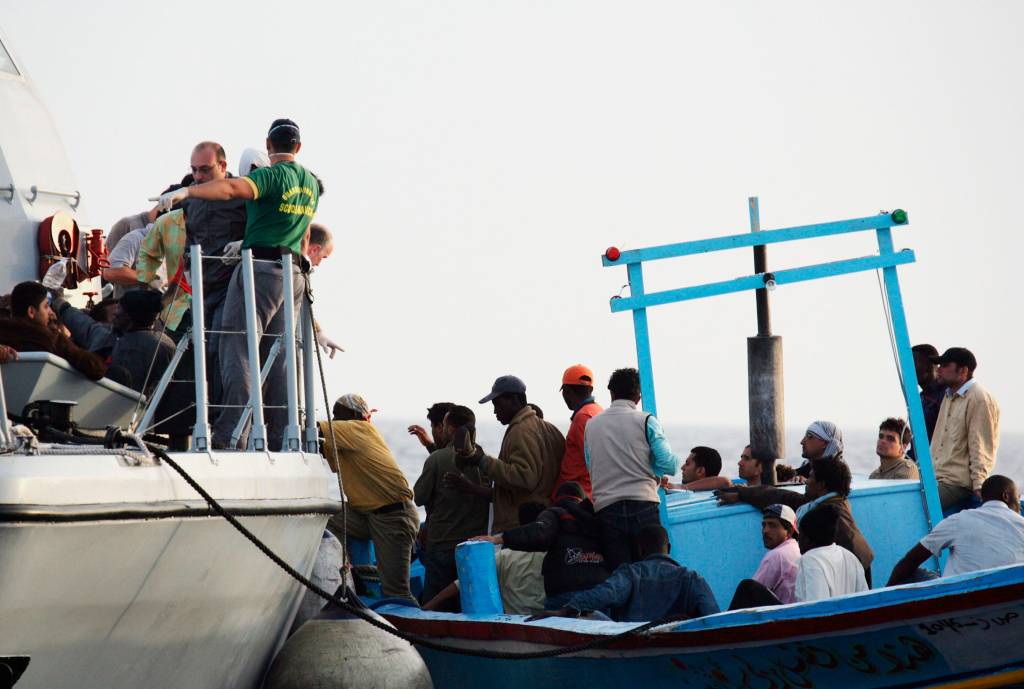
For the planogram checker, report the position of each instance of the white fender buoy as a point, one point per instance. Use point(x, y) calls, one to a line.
point(336, 650)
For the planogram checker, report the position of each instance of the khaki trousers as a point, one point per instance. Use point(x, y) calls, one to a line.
point(393, 535)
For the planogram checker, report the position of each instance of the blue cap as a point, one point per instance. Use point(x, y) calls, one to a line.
point(503, 385)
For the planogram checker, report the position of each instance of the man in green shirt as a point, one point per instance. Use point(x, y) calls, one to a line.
point(281, 201)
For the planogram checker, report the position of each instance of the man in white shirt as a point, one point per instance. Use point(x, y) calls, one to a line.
point(989, 536)
point(826, 569)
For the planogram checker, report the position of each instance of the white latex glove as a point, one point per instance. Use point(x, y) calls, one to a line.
point(329, 346)
point(157, 283)
point(165, 202)
point(232, 252)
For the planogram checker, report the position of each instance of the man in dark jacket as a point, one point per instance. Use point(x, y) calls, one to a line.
point(452, 515)
point(654, 588)
point(29, 331)
point(570, 533)
point(828, 483)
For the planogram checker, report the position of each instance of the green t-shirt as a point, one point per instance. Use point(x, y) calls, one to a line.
point(286, 199)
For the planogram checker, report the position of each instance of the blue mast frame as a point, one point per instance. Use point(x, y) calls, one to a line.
point(886, 260)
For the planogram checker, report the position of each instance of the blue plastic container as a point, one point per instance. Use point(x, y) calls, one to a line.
point(478, 579)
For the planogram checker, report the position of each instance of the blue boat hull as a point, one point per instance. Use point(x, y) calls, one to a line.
point(966, 631)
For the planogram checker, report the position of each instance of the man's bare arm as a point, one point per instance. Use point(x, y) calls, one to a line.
point(121, 276)
point(223, 190)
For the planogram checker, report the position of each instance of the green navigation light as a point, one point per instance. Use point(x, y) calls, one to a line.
point(899, 216)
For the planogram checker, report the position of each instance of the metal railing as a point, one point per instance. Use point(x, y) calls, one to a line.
point(294, 439)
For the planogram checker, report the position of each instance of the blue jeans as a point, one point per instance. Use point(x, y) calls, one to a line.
point(620, 523)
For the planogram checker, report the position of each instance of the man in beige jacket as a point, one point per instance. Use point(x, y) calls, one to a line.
point(966, 436)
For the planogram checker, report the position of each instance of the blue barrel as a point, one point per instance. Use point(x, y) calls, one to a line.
point(478, 579)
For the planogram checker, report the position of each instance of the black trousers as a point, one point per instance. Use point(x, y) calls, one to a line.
point(752, 594)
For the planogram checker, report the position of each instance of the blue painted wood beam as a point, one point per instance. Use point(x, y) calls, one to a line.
point(748, 239)
point(782, 277)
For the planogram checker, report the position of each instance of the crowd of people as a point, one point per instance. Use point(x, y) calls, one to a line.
point(578, 517)
point(130, 335)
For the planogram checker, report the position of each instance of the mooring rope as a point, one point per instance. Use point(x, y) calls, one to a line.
point(364, 615)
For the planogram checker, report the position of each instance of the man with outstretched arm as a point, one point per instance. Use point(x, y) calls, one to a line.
point(282, 200)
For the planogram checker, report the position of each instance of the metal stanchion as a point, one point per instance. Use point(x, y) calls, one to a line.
point(258, 434)
point(201, 431)
point(290, 441)
point(309, 436)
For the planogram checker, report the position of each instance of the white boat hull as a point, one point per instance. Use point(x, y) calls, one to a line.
point(152, 590)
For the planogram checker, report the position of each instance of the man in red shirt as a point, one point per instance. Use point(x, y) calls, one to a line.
point(578, 393)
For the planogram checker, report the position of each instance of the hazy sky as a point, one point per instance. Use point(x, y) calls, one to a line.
point(480, 156)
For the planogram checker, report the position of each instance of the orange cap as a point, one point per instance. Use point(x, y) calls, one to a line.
point(578, 375)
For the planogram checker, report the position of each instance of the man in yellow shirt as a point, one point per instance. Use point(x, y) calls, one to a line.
point(380, 504)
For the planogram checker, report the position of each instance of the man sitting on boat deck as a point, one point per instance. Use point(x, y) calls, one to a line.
point(29, 330)
point(578, 394)
point(828, 483)
point(774, 582)
point(894, 438)
point(520, 580)
point(700, 471)
point(452, 515)
point(655, 588)
point(826, 570)
point(627, 453)
point(435, 417)
point(379, 499)
point(966, 436)
point(989, 536)
point(527, 465)
point(570, 535)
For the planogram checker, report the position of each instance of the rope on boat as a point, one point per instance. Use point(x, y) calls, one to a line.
point(358, 611)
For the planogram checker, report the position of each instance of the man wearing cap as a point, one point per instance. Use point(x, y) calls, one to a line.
point(531, 450)
point(281, 201)
point(966, 436)
point(578, 393)
point(828, 484)
point(380, 504)
point(933, 390)
point(626, 453)
point(775, 579)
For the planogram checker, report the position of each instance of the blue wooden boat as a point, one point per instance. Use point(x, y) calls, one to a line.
point(965, 631)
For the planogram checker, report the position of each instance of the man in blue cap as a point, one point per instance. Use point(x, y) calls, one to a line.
point(531, 453)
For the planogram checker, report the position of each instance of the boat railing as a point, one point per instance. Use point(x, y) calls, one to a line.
point(294, 437)
point(886, 260)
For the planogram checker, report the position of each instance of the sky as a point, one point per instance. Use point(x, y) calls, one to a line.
point(479, 157)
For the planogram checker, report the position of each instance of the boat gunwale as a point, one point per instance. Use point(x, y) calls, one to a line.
point(172, 509)
point(966, 592)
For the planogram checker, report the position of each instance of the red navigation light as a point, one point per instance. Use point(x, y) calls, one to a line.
point(613, 253)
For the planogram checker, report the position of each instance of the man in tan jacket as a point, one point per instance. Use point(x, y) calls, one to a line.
point(527, 466)
point(966, 436)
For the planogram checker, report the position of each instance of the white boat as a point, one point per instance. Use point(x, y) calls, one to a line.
point(114, 572)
